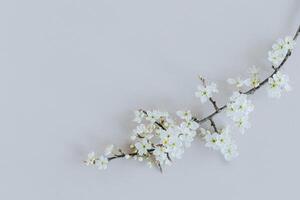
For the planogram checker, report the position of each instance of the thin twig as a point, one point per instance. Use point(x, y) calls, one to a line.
point(200, 121)
point(297, 33)
point(213, 124)
point(214, 103)
point(160, 168)
point(130, 154)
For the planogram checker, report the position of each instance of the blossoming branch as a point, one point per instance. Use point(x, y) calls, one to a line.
point(158, 139)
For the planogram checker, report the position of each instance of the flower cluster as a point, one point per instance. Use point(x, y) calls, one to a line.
point(277, 83)
point(205, 91)
point(221, 141)
point(238, 110)
point(158, 139)
point(99, 161)
point(162, 139)
point(253, 81)
point(280, 49)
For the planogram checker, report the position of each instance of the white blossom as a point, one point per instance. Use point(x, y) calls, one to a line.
point(143, 146)
point(203, 132)
point(185, 115)
point(206, 91)
point(186, 135)
point(91, 159)
point(167, 122)
point(254, 79)
point(170, 139)
point(280, 45)
point(154, 115)
point(102, 162)
point(191, 125)
point(242, 123)
point(212, 140)
point(276, 84)
point(108, 150)
point(229, 151)
point(276, 57)
point(280, 49)
point(238, 82)
point(289, 42)
point(239, 105)
point(221, 141)
point(252, 82)
point(177, 152)
point(140, 130)
point(284, 44)
point(160, 154)
point(224, 138)
point(238, 110)
point(139, 116)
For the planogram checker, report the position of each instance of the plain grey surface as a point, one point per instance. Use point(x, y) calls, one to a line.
point(72, 71)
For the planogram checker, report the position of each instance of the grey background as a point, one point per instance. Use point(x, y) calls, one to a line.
point(72, 71)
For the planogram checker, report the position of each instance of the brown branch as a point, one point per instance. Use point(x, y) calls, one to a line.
point(130, 154)
point(213, 124)
point(214, 103)
point(160, 168)
point(297, 33)
point(200, 121)
point(150, 151)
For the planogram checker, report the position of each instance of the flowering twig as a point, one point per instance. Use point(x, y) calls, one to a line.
point(159, 139)
point(205, 92)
